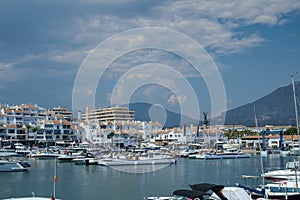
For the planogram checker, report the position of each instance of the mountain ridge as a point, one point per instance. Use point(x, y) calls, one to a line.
point(276, 108)
point(172, 119)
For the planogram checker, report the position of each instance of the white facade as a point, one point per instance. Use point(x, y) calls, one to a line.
point(126, 132)
point(27, 122)
point(182, 135)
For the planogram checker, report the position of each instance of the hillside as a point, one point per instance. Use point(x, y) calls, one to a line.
point(173, 119)
point(276, 108)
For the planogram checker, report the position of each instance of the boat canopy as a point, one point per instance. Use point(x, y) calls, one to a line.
point(206, 187)
point(189, 193)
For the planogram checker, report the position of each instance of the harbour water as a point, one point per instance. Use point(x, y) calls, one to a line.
point(78, 182)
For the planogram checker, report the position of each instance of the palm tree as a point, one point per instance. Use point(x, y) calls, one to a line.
point(34, 130)
point(111, 136)
point(28, 127)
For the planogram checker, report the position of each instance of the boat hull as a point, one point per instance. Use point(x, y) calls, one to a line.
point(223, 156)
point(124, 162)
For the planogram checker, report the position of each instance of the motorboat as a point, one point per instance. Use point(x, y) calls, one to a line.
point(129, 158)
point(290, 172)
point(89, 159)
point(150, 158)
point(20, 149)
point(7, 152)
point(206, 191)
point(140, 161)
point(228, 154)
point(282, 190)
point(66, 158)
point(284, 185)
point(44, 154)
point(69, 157)
point(33, 197)
point(8, 165)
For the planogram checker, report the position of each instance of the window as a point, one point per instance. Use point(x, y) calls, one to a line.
point(48, 125)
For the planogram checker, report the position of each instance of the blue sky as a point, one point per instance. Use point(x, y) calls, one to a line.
point(254, 44)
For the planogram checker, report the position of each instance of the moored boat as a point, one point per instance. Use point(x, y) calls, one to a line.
point(86, 159)
point(229, 154)
point(33, 197)
point(8, 165)
point(291, 172)
point(206, 191)
point(283, 190)
point(145, 161)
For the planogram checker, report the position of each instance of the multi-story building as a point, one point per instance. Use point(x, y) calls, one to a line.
point(27, 122)
point(55, 130)
point(125, 132)
point(63, 110)
point(21, 114)
point(109, 114)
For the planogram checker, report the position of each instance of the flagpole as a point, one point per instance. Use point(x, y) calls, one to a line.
point(54, 179)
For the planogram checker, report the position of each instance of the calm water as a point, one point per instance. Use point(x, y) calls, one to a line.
point(97, 182)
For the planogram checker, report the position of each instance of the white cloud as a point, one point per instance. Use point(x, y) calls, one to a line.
point(266, 19)
point(5, 66)
point(213, 24)
point(66, 37)
point(173, 99)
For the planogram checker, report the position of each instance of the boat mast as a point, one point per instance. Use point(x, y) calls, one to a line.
point(296, 110)
point(259, 144)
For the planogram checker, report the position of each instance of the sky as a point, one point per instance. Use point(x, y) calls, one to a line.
point(190, 56)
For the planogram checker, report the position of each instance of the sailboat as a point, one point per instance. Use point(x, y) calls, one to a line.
point(296, 150)
point(33, 197)
point(280, 189)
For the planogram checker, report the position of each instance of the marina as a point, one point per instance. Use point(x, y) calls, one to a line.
point(95, 182)
point(150, 100)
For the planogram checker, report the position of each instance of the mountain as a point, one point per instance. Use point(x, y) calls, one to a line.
point(276, 108)
point(172, 120)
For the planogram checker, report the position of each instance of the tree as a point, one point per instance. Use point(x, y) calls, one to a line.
point(111, 136)
point(34, 130)
point(28, 127)
point(290, 131)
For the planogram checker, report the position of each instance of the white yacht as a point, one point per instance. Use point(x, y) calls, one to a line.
point(151, 158)
point(7, 165)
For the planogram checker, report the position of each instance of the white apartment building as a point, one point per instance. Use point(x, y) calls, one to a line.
point(182, 135)
point(27, 122)
point(63, 111)
point(125, 132)
point(109, 114)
